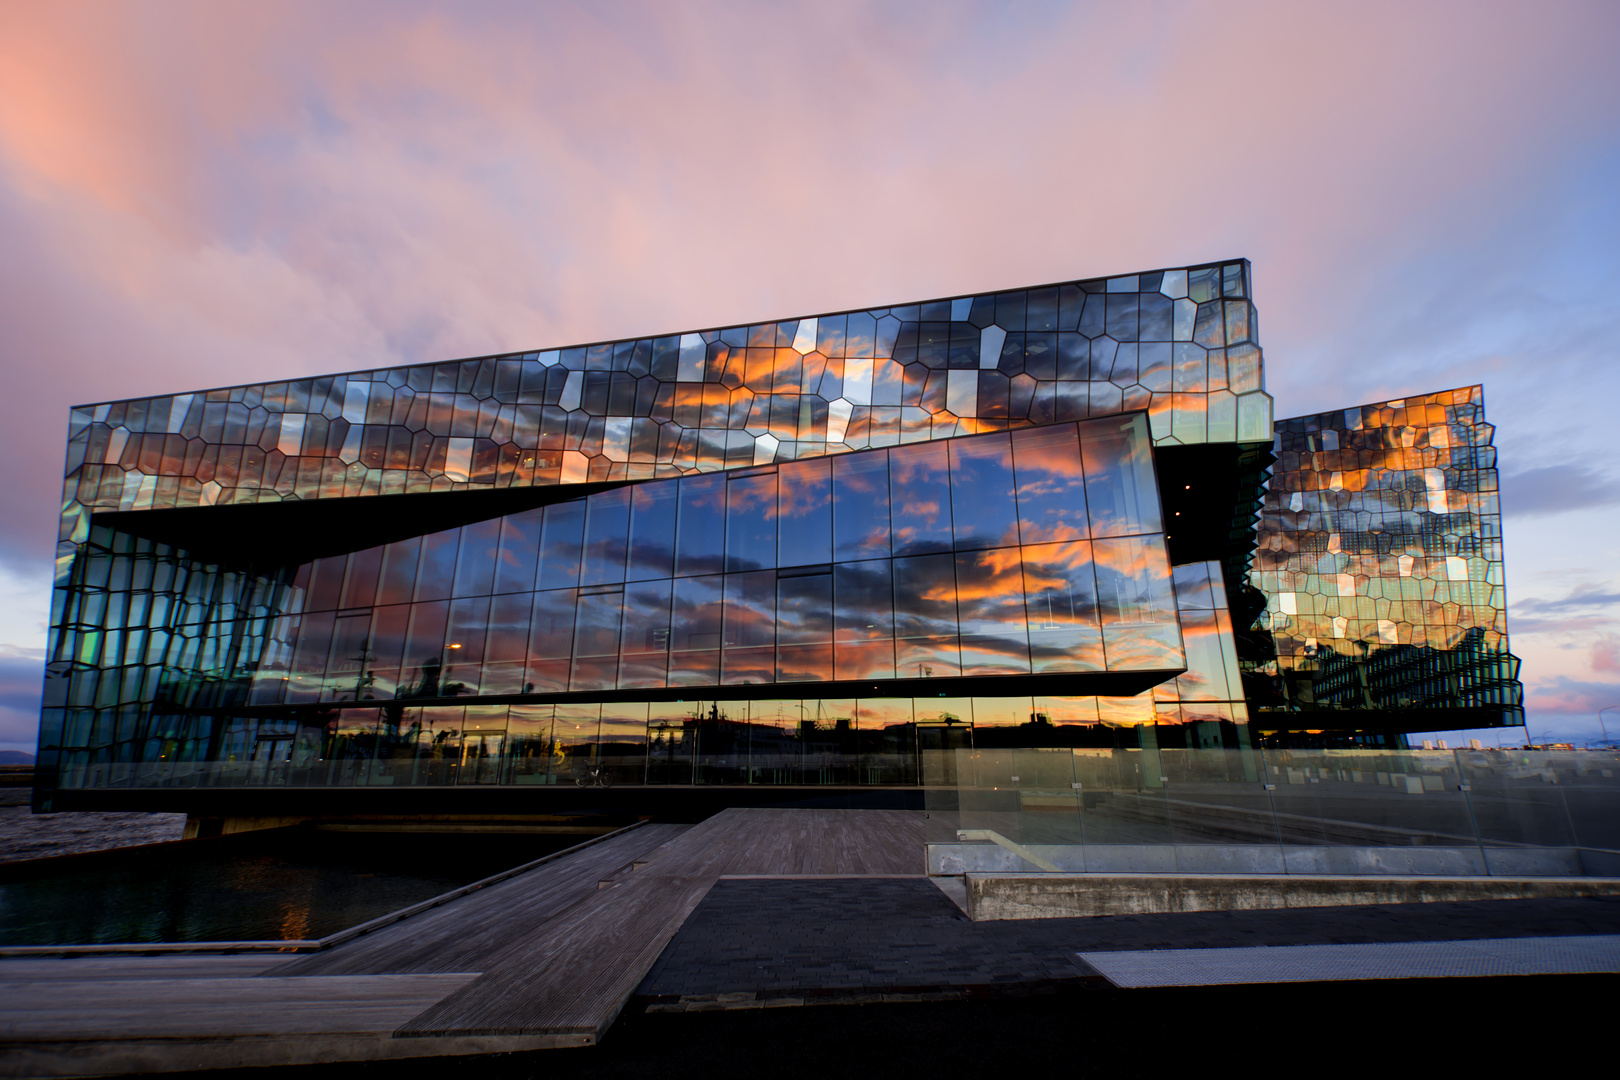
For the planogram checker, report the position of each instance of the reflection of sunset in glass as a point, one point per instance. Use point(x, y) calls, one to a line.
point(1002, 520)
point(1380, 552)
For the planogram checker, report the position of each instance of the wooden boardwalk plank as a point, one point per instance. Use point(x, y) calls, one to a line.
point(577, 978)
point(470, 933)
point(754, 841)
point(156, 1008)
point(113, 968)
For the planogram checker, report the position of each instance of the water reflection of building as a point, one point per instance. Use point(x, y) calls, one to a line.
point(800, 553)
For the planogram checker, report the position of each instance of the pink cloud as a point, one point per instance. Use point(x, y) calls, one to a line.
point(1606, 654)
point(1564, 696)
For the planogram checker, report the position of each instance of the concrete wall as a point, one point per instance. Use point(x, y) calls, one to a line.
point(1055, 896)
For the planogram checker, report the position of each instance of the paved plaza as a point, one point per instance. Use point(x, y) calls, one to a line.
point(761, 942)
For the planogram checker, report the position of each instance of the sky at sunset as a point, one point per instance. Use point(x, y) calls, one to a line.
point(197, 194)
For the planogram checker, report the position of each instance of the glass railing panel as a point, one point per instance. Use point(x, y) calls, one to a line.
point(1220, 813)
point(1590, 783)
point(1048, 800)
point(1122, 805)
point(1516, 798)
point(1285, 777)
point(941, 804)
point(1297, 811)
point(988, 796)
point(1364, 798)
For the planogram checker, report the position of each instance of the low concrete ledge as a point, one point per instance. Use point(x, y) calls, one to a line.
point(968, 857)
point(1062, 896)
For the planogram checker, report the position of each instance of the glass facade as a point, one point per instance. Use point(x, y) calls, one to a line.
point(1380, 555)
point(1180, 345)
point(811, 551)
point(828, 570)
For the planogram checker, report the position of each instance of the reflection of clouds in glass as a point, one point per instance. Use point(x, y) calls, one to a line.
point(982, 492)
point(1133, 581)
point(999, 610)
point(804, 609)
point(1051, 486)
point(1125, 712)
point(804, 488)
point(752, 495)
point(1205, 677)
point(919, 486)
point(1121, 492)
point(1059, 582)
point(750, 609)
point(924, 657)
point(863, 600)
point(696, 615)
point(925, 596)
point(856, 660)
point(1382, 530)
point(804, 663)
point(861, 506)
point(1143, 648)
point(981, 611)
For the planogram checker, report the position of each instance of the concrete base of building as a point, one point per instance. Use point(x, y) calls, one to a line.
point(1061, 896)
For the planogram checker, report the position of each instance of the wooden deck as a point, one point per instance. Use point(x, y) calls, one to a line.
point(546, 958)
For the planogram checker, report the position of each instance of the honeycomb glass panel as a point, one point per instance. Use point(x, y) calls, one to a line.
point(1380, 557)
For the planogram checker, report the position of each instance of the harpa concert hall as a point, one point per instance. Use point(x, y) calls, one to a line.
point(768, 564)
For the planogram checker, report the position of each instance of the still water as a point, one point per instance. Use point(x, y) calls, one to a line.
point(284, 884)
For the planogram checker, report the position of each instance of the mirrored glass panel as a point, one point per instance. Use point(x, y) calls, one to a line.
point(652, 531)
point(1061, 589)
point(982, 492)
point(920, 486)
point(1137, 604)
point(1121, 494)
point(990, 609)
point(560, 545)
point(751, 522)
point(607, 525)
point(805, 512)
point(860, 506)
point(701, 533)
point(1051, 484)
point(644, 649)
point(515, 564)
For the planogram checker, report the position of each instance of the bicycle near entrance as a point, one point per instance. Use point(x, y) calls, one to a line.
point(593, 776)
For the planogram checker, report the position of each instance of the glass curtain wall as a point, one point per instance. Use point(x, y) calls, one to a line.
point(1032, 552)
point(813, 741)
point(1037, 551)
point(1181, 344)
point(1380, 555)
point(907, 583)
